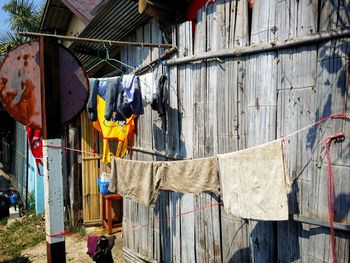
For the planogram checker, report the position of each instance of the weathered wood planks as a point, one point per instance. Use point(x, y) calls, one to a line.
point(219, 106)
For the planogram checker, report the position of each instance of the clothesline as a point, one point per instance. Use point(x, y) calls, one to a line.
point(333, 116)
point(165, 219)
point(326, 141)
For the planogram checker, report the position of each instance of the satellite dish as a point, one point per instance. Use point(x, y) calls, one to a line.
point(20, 91)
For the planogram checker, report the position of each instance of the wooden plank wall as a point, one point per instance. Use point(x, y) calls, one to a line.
point(90, 172)
point(223, 106)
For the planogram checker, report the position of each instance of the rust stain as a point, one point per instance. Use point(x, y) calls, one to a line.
point(3, 83)
point(24, 113)
point(19, 85)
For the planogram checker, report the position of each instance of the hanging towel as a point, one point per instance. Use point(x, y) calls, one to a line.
point(255, 182)
point(92, 101)
point(189, 176)
point(135, 180)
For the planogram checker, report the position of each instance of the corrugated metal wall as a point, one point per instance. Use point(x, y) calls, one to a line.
point(19, 159)
point(223, 106)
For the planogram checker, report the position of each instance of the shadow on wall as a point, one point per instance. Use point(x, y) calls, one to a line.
point(342, 210)
point(167, 227)
point(337, 7)
point(332, 62)
point(240, 256)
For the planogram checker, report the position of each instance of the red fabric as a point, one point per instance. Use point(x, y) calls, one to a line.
point(192, 11)
point(193, 8)
point(251, 3)
point(36, 145)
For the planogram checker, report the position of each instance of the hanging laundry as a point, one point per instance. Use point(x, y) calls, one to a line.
point(189, 176)
point(91, 106)
point(154, 92)
point(255, 182)
point(159, 95)
point(119, 103)
point(135, 180)
point(123, 131)
point(112, 129)
point(36, 146)
point(132, 93)
point(110, 90)
point(147, 85)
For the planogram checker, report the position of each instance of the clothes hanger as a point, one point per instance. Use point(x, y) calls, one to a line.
point(106, 60)
point(116, 60)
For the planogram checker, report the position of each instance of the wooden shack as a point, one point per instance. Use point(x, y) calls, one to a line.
point(243, 75)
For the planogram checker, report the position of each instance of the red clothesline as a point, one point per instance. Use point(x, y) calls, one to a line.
point(333, 116)
point(171, 217)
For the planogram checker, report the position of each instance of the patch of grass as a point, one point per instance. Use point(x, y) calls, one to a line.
point(3, 221)
point(27, 232)
point(78, 229)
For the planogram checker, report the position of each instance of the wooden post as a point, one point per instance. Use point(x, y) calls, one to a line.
point(52, 157)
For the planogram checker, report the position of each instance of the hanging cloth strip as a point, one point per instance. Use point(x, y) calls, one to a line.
point(36, 146)
point(339, 137)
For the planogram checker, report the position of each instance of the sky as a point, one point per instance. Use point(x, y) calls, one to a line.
point(4, 25)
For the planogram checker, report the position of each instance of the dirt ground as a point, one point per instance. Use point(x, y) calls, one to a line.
point(76, 248)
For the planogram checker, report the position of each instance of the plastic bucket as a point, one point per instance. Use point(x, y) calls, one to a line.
point(103, 186)
point(13, 199)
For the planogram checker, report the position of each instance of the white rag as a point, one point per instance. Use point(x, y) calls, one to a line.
point(147, 87)
point(255, 182)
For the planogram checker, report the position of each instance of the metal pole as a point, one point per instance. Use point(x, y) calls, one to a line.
point(99, 41)
point(52, 158)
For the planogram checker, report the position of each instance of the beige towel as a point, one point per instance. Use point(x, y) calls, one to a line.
point(255, 182)
point(134, 179)
point(189, 176)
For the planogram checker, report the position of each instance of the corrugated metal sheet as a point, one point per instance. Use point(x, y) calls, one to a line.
point(19, 159)
point(116, 20)
point(56, 17)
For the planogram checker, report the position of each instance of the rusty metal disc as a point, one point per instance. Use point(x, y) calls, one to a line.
point(20, 91)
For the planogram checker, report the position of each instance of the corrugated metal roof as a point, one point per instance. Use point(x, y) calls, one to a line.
point(116, 20)
point(56, 17)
